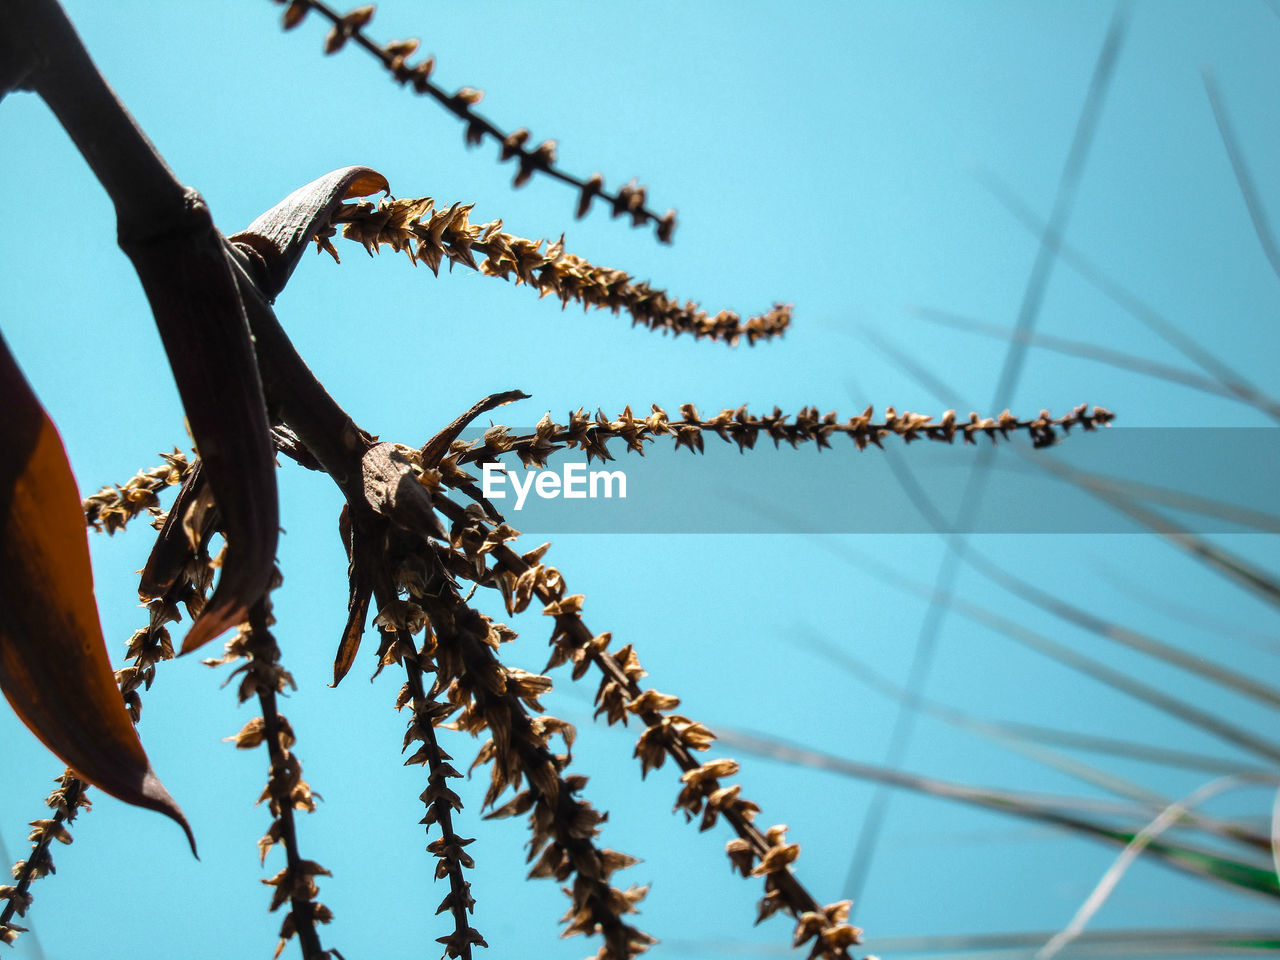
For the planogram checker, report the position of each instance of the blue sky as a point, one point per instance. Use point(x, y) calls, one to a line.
point(835, 157)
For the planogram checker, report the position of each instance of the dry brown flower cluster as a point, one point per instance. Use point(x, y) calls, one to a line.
point(112, 507)
point(629, 200)
point(412, 569)
point(483, 696)
point(480, 553)
point(181, 571)
point(434, 236)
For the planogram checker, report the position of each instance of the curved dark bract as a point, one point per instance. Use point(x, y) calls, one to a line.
point(280, 236)
point(189, 283)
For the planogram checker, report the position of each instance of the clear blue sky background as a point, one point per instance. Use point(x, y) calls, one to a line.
point(829, 155)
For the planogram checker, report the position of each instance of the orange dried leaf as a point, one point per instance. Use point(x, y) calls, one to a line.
point(54, 668)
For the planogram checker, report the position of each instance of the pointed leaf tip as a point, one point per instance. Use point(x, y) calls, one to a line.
point(157, 798)
point(54, 667)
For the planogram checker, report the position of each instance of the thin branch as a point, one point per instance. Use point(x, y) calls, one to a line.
point(629, 200)
point(66, 802)
point(264, 677)
point(441, 802)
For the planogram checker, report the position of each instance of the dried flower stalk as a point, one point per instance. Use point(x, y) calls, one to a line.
point(629, 200)
point(754, 852)
point(263, 676)
point(66, 801)
point(434, 236)
point(591, 435)
point(486, 696)
point(440, 799)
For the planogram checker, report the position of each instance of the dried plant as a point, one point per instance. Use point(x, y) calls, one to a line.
point(422, 542)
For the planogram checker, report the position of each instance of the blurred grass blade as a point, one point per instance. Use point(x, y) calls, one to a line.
point(1065, 812)
point(1244, 179)
point(1235, 568)
point(1259, 520)
point(1145, 837)
point(54, 667)
point(1018, 742)
point(1115, 678)
point(1127, 944)
point(992, 731)
point(1131, 584)
point(1275, 834)
point(1079, 348)
point(1175, 706)
point(1146, 942)
point(1117, 633)
point(1047, 808)
point(1231, 379)
point(1184, 710)
point(1162, 756)
point(277, 239)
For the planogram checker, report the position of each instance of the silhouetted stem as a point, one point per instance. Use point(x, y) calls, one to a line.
point(264, 650)
point(629, 200)
point(73, 791)
point(458, 886)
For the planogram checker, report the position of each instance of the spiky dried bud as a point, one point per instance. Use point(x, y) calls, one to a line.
point(513, 143)
point(667, 226)
point(465, 98)
point(295, 12)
